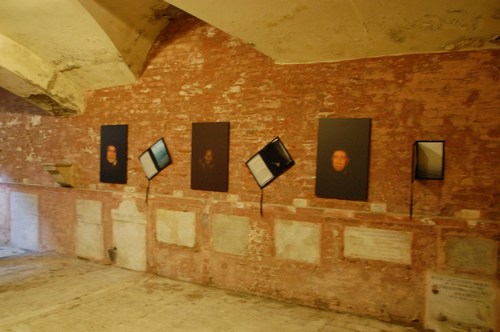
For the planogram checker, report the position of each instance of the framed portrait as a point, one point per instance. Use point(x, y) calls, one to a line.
point(428, 160)
point(114, 154)
point(270, 162)
point(210, 156)
point(155, 159)
point(343, 158)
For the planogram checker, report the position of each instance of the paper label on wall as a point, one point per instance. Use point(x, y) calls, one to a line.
point(378, 244)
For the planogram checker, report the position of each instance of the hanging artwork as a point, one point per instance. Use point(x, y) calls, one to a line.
point(343, 159)
point(155, 159)
point(114, 153)
point(270, 162)
point(429, 160)
point(210, 156)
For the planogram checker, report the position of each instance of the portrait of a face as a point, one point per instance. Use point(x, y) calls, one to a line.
point(210, 156)
point(340, 160)
point(111, 154)
point(114, 154)
point(343, 159)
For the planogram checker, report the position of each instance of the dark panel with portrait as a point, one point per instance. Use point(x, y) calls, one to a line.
point(343, 159)
point(114, 153)
point(210, 156)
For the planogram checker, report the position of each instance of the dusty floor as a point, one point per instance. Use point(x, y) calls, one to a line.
point(45, 292)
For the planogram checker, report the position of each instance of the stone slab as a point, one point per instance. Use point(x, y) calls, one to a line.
point(89, 211)
point(129, 235)
point(176, 227)
point(471, 254)
point(297, 240)
point(230, 234)
point(378, 244)
point(24, 220)
point(89, 240)
point(4, 225)
point(459, 304)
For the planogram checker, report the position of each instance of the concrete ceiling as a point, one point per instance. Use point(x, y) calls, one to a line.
point(52, 51)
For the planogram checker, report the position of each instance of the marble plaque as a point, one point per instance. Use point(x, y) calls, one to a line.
point(230, 234)
point(176, 227)
point(129, 236)
point(89, 211)
point(3, 209)
point(24, 220)
point(459, 304)
point(89, 230)
point(298, 241)
point(471, 254)
point(378, 244)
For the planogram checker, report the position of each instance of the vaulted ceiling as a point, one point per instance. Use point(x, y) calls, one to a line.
point(53, 51)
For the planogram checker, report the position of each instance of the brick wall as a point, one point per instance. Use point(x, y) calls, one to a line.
point(196, 73)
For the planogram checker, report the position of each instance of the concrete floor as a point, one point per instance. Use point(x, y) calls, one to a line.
point(51, 293)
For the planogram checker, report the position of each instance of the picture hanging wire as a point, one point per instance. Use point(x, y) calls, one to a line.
point(147, 191)
point(261, 200)
point(412, 178)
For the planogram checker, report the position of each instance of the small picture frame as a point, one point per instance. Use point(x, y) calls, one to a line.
point(270, 162)
point(428, 160)
point(155, 159)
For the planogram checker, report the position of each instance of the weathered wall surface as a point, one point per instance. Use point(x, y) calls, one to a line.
point(361, 257)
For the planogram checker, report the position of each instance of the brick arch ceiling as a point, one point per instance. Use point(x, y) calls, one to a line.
point(52, 51)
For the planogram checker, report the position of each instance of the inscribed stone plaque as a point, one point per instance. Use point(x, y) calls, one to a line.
point(459, 304)
point(378, 244)
point(230, 234)
point(24, 220)
point(471, 254)
point(176, 227)
point(297, 240)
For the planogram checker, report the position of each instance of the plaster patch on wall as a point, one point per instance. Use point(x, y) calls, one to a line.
point(211, 32)
point(230, 234)
point(470, 214)
point(190, 90)
point(32, 157)
point(196, 58)
point(35, 120)
point(24, 220)
point(12, 123)
point(89, 211)
point(127, 211)
point(297, 240)
point(176, 227)
point(471, 254)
